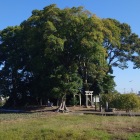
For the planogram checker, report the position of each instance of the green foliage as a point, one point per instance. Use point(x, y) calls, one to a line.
point(65, 82)
point(120, 43)
point(74, 101)
point(128, 102)
point(111, 98)
point(108, 84)
point(59, 51)
point(136, 136)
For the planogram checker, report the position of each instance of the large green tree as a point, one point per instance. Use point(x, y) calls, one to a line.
point(58, 52)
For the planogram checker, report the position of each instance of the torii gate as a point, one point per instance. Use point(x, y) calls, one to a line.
point(89, 93)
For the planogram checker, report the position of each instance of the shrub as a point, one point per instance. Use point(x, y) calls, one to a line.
point(111, 98)
point(128, 102)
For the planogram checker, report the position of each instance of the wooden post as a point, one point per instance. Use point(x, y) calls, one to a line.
point(91, 99)
point(95, 104)
point(80, 98)
point(106, 106)
point(86, 98)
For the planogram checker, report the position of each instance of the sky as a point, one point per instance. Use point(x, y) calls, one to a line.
point(13, 12)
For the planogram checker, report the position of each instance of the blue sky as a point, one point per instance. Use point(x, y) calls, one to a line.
point(13, 12)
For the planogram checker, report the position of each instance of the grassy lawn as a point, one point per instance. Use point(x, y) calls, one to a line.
point(56, 126)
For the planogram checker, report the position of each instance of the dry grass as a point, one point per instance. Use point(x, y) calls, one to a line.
point(56, 126)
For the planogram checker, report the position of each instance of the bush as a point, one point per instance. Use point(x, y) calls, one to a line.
point(128, 102)
point(111, 98)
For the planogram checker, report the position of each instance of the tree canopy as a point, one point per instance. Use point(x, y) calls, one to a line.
point(63, 51)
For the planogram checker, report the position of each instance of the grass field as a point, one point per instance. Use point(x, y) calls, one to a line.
point(57, 126)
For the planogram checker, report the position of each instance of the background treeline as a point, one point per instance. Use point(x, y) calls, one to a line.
point(63, 51)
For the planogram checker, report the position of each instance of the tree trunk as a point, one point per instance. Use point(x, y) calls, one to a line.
point(40, 101)
point(62, 106)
